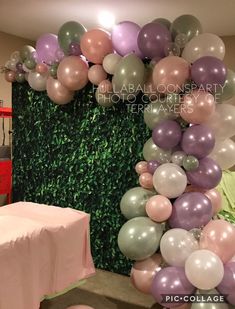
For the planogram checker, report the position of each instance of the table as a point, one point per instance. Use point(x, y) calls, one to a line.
point(43, 250)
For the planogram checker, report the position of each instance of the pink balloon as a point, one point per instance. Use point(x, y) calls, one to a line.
point(216, 200)
point(96, 74)
point(143, 272)
point(41, 68)
point(170, 74)
point(10, 76)
point(218, 236)
point(95, 45)
point(146, 180)
point(73, 73)
point(197, 107)
point(105, 87)
point(159, 208)
point(57, 92)
point(141, 167)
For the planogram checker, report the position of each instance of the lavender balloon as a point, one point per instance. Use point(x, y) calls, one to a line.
point(167, 134)
point(198, 141)
point(207, 175)
point(227, 285)
point(46, 48)
point(34, 56)
point(74, 49)
point(152, 165)
point(152, 40)
point(209, 72)
point(124, 38)
point(59, 55)
point(191, 210)
point(170, 280)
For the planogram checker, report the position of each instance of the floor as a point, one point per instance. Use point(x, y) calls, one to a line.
point(104, 291)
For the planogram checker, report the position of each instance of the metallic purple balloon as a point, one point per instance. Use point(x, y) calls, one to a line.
point(152, 166)
point(19, 67)
point(170, 280)
point(167, 134)
point(191, 210)
point(152, 39)
point(74, 49)
point(209, 72)
point(227, 285)
point(124, 38)
point(207, 175)
point(46, 47)
point(198, 141)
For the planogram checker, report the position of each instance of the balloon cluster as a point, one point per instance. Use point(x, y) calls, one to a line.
point(173, 233)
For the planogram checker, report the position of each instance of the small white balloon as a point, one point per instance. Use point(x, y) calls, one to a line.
point(204, 269)
point(177, 245)
point(110, 62)
point(170, 180)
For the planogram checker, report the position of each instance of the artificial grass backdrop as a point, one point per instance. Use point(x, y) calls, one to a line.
point(80, 156)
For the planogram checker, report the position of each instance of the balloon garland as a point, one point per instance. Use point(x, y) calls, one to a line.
point(173, 234)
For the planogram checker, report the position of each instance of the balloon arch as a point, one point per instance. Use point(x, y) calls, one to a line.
point(173, 234)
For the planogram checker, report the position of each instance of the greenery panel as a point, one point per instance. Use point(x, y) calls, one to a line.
point(81, 156)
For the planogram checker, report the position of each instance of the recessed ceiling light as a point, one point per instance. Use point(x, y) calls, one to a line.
point(106, 19)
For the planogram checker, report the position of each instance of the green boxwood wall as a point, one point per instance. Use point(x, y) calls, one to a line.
point(80, 156)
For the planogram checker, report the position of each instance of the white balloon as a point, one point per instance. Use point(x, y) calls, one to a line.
point(15, 56)
point(205, 44)
point(170, 180)
point(204, 269)
point(224, 153)
point(222, 122)
point(110, 62)
point(37, 81)
point(177, 245)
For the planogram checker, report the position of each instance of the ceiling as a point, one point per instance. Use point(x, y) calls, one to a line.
point(31, 18)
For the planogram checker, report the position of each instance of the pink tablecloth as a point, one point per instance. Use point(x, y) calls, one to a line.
point(43, 250)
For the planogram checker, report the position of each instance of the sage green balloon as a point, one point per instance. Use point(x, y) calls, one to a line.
point(139, 238)
point(70, 32)
point(133, 202)
point(129, 76)
point(153, 152)
point(228, 90)
point(26, 51)
point(53, 70)
point(178, 157)
point(173, 98)
point(20, 77)
point(187, 24)
point(190, 163)
point(163, 21)
point(157, 111)
point(105, 100)
point(204, 305)
point(30, 63)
